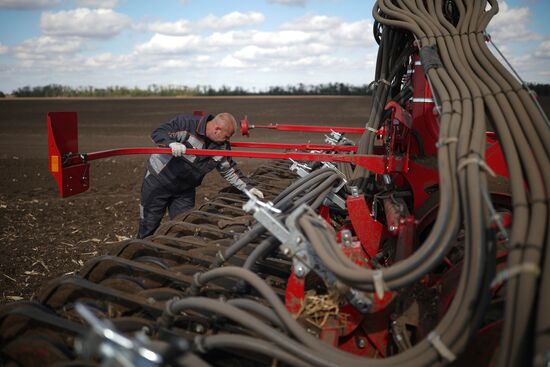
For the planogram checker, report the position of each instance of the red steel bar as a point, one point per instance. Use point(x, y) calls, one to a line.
point(311, 128)
point(373, 163)
point(325, 147)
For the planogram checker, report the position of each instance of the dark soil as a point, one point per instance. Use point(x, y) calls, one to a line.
point(43, 236)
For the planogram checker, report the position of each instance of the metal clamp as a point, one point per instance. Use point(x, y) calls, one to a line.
point(263, 213)
point(358, 300)
point(336, 138)
point(113, 348)
point(300, 169)
point(333, 138)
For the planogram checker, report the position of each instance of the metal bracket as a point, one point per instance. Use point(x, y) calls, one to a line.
point(263, 213)
point(300, 169)
point(333, 197)
point(334, 138)
point(294, 245)
point(113, 348)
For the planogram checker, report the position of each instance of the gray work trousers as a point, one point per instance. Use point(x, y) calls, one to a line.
point(155, 199)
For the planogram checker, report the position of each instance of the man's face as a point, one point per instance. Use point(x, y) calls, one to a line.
point(221, 133)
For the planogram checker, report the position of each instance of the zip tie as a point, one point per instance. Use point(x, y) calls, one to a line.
point(168, 308)
point(199, 343)
point(442, 142)
point(220, 256)
point(495, 217)
point(196, 282)
point(480, 162)
point(371, 129)
point(442, 349)
point(514, 271)
point(379, 285)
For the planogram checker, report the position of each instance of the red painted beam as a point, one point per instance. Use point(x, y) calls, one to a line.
point(246, 127)
point(373, 163)
point(311, 128)
point(325, 147)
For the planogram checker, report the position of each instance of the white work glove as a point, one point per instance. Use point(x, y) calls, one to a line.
point(178, 149)
point(254, 191)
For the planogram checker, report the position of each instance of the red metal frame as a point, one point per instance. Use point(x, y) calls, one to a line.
point(308, 146)
point(71, 169)
point(246, 127)
point(368, 230)
point(63, 139)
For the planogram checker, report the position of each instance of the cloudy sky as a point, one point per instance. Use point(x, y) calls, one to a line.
point(249, 43)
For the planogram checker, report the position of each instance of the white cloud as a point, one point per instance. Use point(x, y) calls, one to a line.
point(353, 34)
point(184, 26)
point(288, 2)
point(313, 23)
point(164, 44)
point(260, 54)
point(232, 20)
point(3, 49)
point(511, 24)
point(178, 28)
point(28, 4)
point(333, 30)
point(228, 39)
point(83, 22)
point(543, 50)
point(104, 4)
point(232, 62)
point(322, 61)
point(281, 38)
point(44, 46)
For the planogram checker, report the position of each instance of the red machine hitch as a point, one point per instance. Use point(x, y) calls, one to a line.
point(71, 169)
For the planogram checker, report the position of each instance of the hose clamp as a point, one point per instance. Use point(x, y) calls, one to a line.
point(513, 271)
point(435, 340)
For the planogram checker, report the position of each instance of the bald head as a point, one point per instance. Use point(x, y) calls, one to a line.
point(221, 127)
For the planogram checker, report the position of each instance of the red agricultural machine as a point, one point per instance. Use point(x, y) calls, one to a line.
point(425, 243)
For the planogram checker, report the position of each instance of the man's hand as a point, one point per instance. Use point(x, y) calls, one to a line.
point(254, 191)
point(178, 149)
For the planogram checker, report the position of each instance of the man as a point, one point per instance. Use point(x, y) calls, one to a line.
point(170, 181)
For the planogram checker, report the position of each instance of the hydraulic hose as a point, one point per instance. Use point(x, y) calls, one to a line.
point(247, 343)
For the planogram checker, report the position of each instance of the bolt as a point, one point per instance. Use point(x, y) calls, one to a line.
point(346, 238)
point(354, 191)
point(393, 228)
point(361, 342)
point(199, 329)
point(299, 271)
point(287, 251)
point(151, 300)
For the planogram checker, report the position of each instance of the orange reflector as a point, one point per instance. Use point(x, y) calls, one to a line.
point(54, 163)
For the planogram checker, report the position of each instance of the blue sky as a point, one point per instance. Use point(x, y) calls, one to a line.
point(254, 44)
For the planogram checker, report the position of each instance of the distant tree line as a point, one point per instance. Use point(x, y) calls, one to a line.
point(540, 89)
point(154, 90)
point(56, 90)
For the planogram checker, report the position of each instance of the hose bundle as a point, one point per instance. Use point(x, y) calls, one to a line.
point(472, 91)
